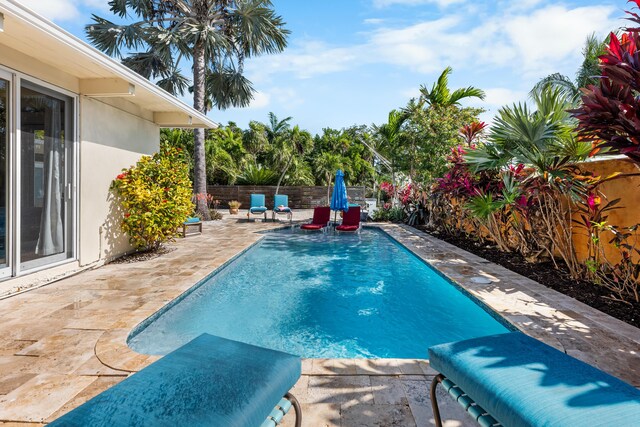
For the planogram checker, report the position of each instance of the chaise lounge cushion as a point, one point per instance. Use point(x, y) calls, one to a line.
point(347, 227)
point(209, 381)
point(312, 226)
point(523, 382)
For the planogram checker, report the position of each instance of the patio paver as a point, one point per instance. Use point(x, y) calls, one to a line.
point(66, 342)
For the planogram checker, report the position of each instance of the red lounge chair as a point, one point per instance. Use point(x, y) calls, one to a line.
point(321, 216)
point(350, 220)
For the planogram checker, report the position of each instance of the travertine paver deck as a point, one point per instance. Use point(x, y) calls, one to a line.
point(66, 342)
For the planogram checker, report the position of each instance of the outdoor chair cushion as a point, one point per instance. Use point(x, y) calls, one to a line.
point(347, 227)
point(258, 209)
point(192, 220)
point(521, 381)
point(282, 210)
point(311, 226)
point(209, 381)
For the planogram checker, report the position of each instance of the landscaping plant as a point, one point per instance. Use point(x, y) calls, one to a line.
point(610, 113)
point(155, 195)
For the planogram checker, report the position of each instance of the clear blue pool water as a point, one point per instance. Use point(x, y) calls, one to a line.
point(324, 295)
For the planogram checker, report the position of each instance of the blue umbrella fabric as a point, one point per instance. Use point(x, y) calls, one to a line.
point(339, 200)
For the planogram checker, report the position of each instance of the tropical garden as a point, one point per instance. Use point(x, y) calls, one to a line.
point(518, 187)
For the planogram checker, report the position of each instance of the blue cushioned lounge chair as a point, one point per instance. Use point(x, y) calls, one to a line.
point(515, 380)
point(210, 381)
point(281, 207)
point(257, 206)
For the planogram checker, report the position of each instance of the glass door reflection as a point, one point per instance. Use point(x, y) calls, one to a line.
point(45, 124)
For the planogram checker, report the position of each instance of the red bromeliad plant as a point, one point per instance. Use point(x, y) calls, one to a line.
point(610, 114)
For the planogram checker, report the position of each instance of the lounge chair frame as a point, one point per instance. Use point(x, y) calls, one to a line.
point(289, 215)
point(481, 416)
point(186, 225)
point(278, 413)
point(264, 213)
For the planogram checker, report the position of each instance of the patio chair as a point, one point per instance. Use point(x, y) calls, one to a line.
point(350, 220)
point(321, 217)
point(192, 222)
point(281, 207)
point(514, 380)
point(257, 206)
point(209, 381)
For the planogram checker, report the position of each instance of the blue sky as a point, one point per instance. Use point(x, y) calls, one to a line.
point(352, 61)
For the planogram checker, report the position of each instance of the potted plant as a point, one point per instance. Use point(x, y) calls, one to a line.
point(234, 205)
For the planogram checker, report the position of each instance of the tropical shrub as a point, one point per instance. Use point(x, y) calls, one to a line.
point(257, 175)
point(622, 277)
point(471, 133)
point(610, 113)
point(155, 195)
point(413, 199)
point(389, 213)
point(211, 203)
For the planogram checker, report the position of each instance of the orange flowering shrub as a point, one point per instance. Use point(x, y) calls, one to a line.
point(156, 197)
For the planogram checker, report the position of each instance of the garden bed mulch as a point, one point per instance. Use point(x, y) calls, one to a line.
point(546, 274)
point(142, 255)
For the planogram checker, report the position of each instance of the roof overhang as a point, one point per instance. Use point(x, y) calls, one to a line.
point(99, 75)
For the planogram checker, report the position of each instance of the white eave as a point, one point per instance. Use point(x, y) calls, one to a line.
point(98, 74)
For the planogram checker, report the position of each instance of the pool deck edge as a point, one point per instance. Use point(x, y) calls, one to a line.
point(64, 343)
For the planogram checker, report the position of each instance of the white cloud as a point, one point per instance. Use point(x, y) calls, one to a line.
point(554, 34)
point(307, 59)
point(441, 3)
point(502, 96)
point(373, 21)
point(65, 10)
point(532, 43)
point(260, 100)
point(55, 10)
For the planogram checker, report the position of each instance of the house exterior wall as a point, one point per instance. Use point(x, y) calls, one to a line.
point(112, 134)
point(110, 140)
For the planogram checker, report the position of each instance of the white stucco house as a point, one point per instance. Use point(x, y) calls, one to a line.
point(70, 119)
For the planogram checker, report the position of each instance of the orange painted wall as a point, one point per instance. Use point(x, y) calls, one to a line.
point(627, 189)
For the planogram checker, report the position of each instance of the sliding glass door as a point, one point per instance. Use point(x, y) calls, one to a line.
point(5, 126)
point(46, 140)
point(37, 126)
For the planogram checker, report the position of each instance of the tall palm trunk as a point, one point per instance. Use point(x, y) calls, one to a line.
point(200, 168)
point(284, 172)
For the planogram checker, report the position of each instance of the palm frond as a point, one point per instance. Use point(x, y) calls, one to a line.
point(229, 88)
point(110, 37)
point(487, 157)
point(557, 82)
point(174, 83)
point(258, 29)
point(589, 72)
point(148, 64)
point(469, 92)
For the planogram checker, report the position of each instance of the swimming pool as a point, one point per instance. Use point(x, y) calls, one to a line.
point(323, 295)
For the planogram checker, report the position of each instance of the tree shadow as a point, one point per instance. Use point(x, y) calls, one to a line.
point(113, 241)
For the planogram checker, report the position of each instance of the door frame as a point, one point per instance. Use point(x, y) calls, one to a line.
point(9, 226)
point(71, 238)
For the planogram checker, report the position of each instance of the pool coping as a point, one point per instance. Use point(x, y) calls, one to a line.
point(531, 308)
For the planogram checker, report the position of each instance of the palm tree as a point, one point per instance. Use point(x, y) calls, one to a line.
point(391, 135)
point(294, 144)
point(587, 74)
point(276, 128)
point(441, 96)
point(326, 164)
point(216, 35)
point(536, 138)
